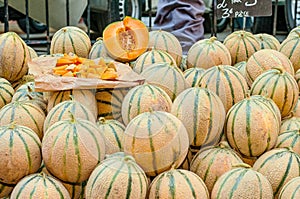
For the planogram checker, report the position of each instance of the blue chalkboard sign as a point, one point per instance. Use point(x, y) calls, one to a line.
point(243, 8)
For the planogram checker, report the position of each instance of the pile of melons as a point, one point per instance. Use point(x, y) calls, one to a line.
point(222, 121)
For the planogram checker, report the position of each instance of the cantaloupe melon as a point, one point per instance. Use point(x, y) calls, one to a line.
point(144, 98)
point(164, 40)
point(290, 48)
point(151, 57)
point(118, 176)
point(289, 139)
point(23, 113)
point(251, 127)
point(39, 185)
point(280, 86)
point(242, 182)
point(279, 165)
point(227, 82)
point(157, 140)
point(14, 57)
point(20, 153)
point(290, 123)
point(6, 92)
point(267, 41)
point(177, 184)
point(70, 39)
point(211, 162)
point(202, 113)
point(241, 45)
point(291, 189)
point(113, 132)
point(167, 76)
point(84, 96)
point(207, 53)
point(192, 75)
point(65, 110)
point(72, 149)
point(265, 59)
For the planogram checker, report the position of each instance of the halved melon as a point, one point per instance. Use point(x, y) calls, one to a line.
point(126, 40)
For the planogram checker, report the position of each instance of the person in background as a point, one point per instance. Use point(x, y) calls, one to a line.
point(239, 23)
point(183, 18)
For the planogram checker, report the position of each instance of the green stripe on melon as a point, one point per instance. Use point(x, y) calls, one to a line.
point(192, 75)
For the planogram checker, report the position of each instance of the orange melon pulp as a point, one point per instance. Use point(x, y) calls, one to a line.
point(126, 40)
